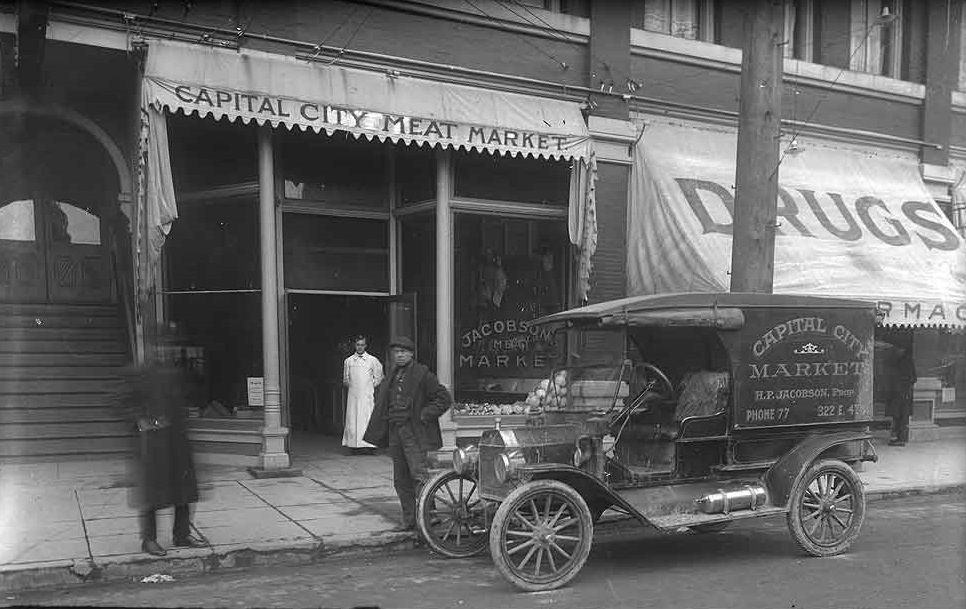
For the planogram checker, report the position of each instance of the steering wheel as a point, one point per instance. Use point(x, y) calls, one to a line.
point(653, 384)
point(651, 375)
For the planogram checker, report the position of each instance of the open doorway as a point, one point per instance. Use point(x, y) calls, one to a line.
point(320, 337)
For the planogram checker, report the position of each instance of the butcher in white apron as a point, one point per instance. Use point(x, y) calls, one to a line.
point(361, 373)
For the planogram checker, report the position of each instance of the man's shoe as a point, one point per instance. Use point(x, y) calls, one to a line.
point(896, 442)
point(152, 547)
point(190, 542)
point(402, 528)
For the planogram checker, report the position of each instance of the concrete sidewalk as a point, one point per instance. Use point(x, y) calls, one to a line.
point(69, 523)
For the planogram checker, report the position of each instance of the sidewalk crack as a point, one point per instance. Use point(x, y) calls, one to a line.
point(87, 538)
point(287, 517)
point(345, 495)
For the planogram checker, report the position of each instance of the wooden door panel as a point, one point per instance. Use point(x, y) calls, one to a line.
point(78, 273)
point(21, 273)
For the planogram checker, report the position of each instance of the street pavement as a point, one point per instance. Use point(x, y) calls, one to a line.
point(71, 523)
point(910, 553)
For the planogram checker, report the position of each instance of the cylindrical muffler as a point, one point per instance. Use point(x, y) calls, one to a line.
point(723, 502)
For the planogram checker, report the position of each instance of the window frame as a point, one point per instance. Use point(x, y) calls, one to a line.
point(800, 47)
point(703, 18)
point(868, 39)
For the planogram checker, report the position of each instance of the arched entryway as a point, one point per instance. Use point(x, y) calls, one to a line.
point(59, 187)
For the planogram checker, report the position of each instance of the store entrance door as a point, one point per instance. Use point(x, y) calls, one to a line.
point(52, 252)
point(321, 334)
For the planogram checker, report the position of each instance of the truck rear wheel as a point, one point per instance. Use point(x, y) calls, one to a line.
point(826, 508)
point(541, 535)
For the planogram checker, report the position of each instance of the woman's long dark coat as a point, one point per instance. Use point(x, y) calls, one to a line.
point(165, 466)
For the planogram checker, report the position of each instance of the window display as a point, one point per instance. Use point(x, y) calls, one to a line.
point(508, 272)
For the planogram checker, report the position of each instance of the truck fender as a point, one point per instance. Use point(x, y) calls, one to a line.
point(782, 476)
point(597, 494)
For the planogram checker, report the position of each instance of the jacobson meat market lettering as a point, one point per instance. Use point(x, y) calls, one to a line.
point(919, 219)
point(504, 343)
point(312, 113)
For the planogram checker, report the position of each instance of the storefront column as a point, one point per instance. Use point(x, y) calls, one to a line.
point(273, 460)
point(445, 315)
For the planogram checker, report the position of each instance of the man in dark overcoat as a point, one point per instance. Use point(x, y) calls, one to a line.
point(158, 395)
point(405, 420)
point(900, 400)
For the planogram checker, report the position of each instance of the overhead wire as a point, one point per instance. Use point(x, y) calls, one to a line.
point(351, 38)
point(563, 65)
point(318, 47)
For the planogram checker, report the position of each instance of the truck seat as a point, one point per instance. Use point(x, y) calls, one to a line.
point(703, 393)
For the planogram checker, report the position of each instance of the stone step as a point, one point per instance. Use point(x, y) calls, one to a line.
point(14, 450)
point(10, 373)
point(35, 309)
point(83, 430)
point(9, 416)
point(64, 359)
point(54, 401)
point(63, 346)
point(42, 386)
point(59, 321)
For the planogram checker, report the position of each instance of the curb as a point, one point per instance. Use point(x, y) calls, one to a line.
point(929, 489)
point(188, 562)
point(63, 573)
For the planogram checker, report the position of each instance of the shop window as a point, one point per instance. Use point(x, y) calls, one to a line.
point(334, 253)
point(690, 19)
point(508, 272)
point(223, 343)
point(71, 224)
point(487, 176)
point(415, 174)
point(17, 221)
point(336, 170)
point(208, 154)
point(213, 245)
point(876, 43)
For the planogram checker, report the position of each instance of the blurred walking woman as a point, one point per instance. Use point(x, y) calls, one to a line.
point(157, 396)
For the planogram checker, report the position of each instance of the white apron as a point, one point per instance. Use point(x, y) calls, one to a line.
point(362, 373)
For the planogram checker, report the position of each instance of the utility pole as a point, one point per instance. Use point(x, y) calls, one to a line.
point(759, 129)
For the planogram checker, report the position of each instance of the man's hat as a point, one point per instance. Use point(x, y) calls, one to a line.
point(403, 342)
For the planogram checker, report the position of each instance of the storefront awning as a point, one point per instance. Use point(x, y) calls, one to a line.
point(850, 224)
point(271, 89)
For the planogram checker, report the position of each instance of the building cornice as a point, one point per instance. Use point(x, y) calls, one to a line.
point(726, 59)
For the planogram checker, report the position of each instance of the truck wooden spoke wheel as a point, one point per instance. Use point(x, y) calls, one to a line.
point(826, 508)
point(452, 515)
point(541, 535)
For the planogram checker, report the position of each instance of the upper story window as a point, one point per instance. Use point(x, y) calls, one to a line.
point(577, 8)
point(802, 29)
point(962, 49)
point(690, 19)
point(876, 37)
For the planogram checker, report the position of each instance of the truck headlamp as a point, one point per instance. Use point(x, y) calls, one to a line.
point(506, 465)
point(465, 459)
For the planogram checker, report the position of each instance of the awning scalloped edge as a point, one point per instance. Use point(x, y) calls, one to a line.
point(368, 135)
